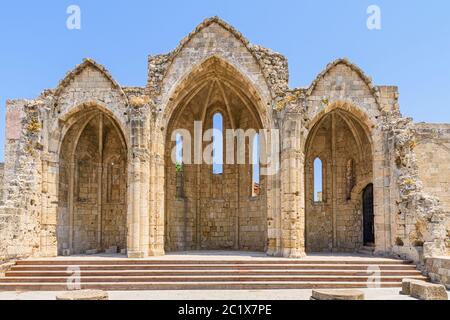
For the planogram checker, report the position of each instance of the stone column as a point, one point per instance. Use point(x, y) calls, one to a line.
point(138, 184)
point(49, 216)
point(144, 231)
point(133, 215)
point(138, 205)
point(156, 194)
point(382, 193)
point(292, 191)
point(273, 215)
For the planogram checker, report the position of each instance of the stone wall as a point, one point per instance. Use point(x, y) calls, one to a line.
point(215, 38)
point(335, 222)
point(433, 158)
point(420, 221)
point(2, 181)
point(20, 210)
point(439, 270)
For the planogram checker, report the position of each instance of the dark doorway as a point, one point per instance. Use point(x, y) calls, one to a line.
point(368, 216)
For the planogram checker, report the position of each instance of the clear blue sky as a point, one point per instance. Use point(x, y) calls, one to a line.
point(412, 50)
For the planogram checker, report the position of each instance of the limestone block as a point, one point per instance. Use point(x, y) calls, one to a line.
point(13, 123)
point(406, 286)
point(439, 270)
point(337, 295)
point(4, 267)
point(93, 251)
point(83, 295)
point(111, 250)
point(428, 291)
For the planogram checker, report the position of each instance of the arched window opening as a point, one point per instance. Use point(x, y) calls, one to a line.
point(318, 180)
point(179, 152)
point(179, 166)
point(256, 187)
point(217, 143)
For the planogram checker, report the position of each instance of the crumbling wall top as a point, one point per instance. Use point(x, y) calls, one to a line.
point(344, 61)
point(87, 62)
point(273, 65)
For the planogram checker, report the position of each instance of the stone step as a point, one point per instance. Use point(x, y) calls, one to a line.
point(267, 261)
point(190, 274)
point(123, 286)
point(230, 278)
point(214, 267)
point(210, 272)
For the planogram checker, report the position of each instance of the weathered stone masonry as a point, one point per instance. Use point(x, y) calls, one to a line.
point(88, 164)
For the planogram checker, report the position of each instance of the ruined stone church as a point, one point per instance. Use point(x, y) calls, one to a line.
point(89, 168)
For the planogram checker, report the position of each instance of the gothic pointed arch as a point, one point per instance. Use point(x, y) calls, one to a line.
point(92, 185)
point(218, 209)
point(344, 144)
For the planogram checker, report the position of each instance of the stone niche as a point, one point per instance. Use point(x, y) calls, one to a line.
point(334, 218)
point(92, 187)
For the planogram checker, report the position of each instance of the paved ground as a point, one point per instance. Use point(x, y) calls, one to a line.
point(371, 294)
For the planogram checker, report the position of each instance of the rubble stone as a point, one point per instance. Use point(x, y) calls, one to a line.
point(337, 295)
point(428, 291)
point(80, 295)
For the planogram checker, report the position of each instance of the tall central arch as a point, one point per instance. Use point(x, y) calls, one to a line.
point(209, 209)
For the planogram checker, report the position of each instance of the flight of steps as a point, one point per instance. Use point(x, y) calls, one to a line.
point(125, 274)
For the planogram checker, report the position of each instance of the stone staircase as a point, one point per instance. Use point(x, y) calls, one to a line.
point(191, 274)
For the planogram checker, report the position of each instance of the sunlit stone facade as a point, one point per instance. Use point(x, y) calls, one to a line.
point(88, 165)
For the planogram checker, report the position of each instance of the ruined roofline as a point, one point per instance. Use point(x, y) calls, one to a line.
point(305, 89)
point(128, 91)
point(344, 61)
point(11, 103)
point(206, 23)
point(159, 66)
point(87, 62)
point(432, 125)
point(39, 98)
point(161, 63)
